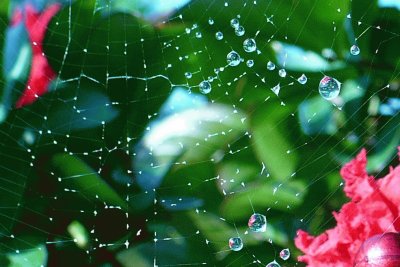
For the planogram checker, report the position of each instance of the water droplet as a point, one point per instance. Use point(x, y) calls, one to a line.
point(329, 88)
point(270, 65)
point(239, 31)
point(276, 89)
point(233, 58)
point(273, 264)
point(235, 243)
point(210, 21)
point(249, 45)
point(354, 50)
point(302, 79)
point(284, 254)
point(257, 223)
point(198, 35)
point(282, 73)
point(188, 75)
point(219, 36)
point(235, 23)
point(205, 87)
point(250, 63)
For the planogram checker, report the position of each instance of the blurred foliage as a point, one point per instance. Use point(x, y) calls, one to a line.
point(121, 139)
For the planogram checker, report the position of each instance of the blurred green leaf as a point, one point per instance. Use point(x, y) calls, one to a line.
point(388, 138)
point(220, 124)
point(15, 172)
point(69, 110)
point(30, 257)
point(181, 203)
point(262, 196)
point(272, 144)
point(295, 58)
point(316, 116)
point(77, 175)
point(79, 234)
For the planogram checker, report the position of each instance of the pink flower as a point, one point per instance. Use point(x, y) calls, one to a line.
point(41, 73)
point(373, 209)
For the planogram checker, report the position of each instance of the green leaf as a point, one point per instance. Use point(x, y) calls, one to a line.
point(295, 58)
point(185, 141)
point(316, 116)
point(79, 234)
point(30, 257)
point(388, 139)
point(261, 196)
point(15, 170)
point(218, 231)
point(68, 110)
point(307, 25)
point(77, 175)
point(271, 143)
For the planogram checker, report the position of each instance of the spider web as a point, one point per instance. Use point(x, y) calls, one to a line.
point(127, 161)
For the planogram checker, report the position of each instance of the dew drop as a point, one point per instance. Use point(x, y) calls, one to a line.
point(188, 75)
point(282, 73)
point(276, 89)
point(302, 79)
point(210, 21)
point(235, 23)
point(219, 36)
point(198, 35)
point(250, 63)
point(270, 65)
point(284, 254)
point(354, 50)
point(257, 223)
point(235, 243)
point(273, 264)
point(329, 88)
point(239, 31)
point(205, 87)
point(249, 45)
point(233, 58)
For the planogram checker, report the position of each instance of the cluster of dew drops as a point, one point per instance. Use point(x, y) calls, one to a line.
point(258, 224)
point(329, 88)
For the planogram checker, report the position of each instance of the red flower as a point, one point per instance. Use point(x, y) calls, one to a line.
point(373, 209)
point(41, 73)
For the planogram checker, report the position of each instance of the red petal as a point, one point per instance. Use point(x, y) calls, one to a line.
point(41, 73)
point(358, 184)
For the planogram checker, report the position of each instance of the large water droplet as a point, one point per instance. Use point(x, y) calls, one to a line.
point(273, 264)
point(235, 243)
point(354, 50)
point(302, 79)
point(257, 223)
point(249, 45)
point(329, 88)
point(233, 58)
point(219, 36)
point(250, 63)
point(235, 23)
point(282, 73)
point(270, 65)
point(239, 31)
point(284, 254)
point(205, 87)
